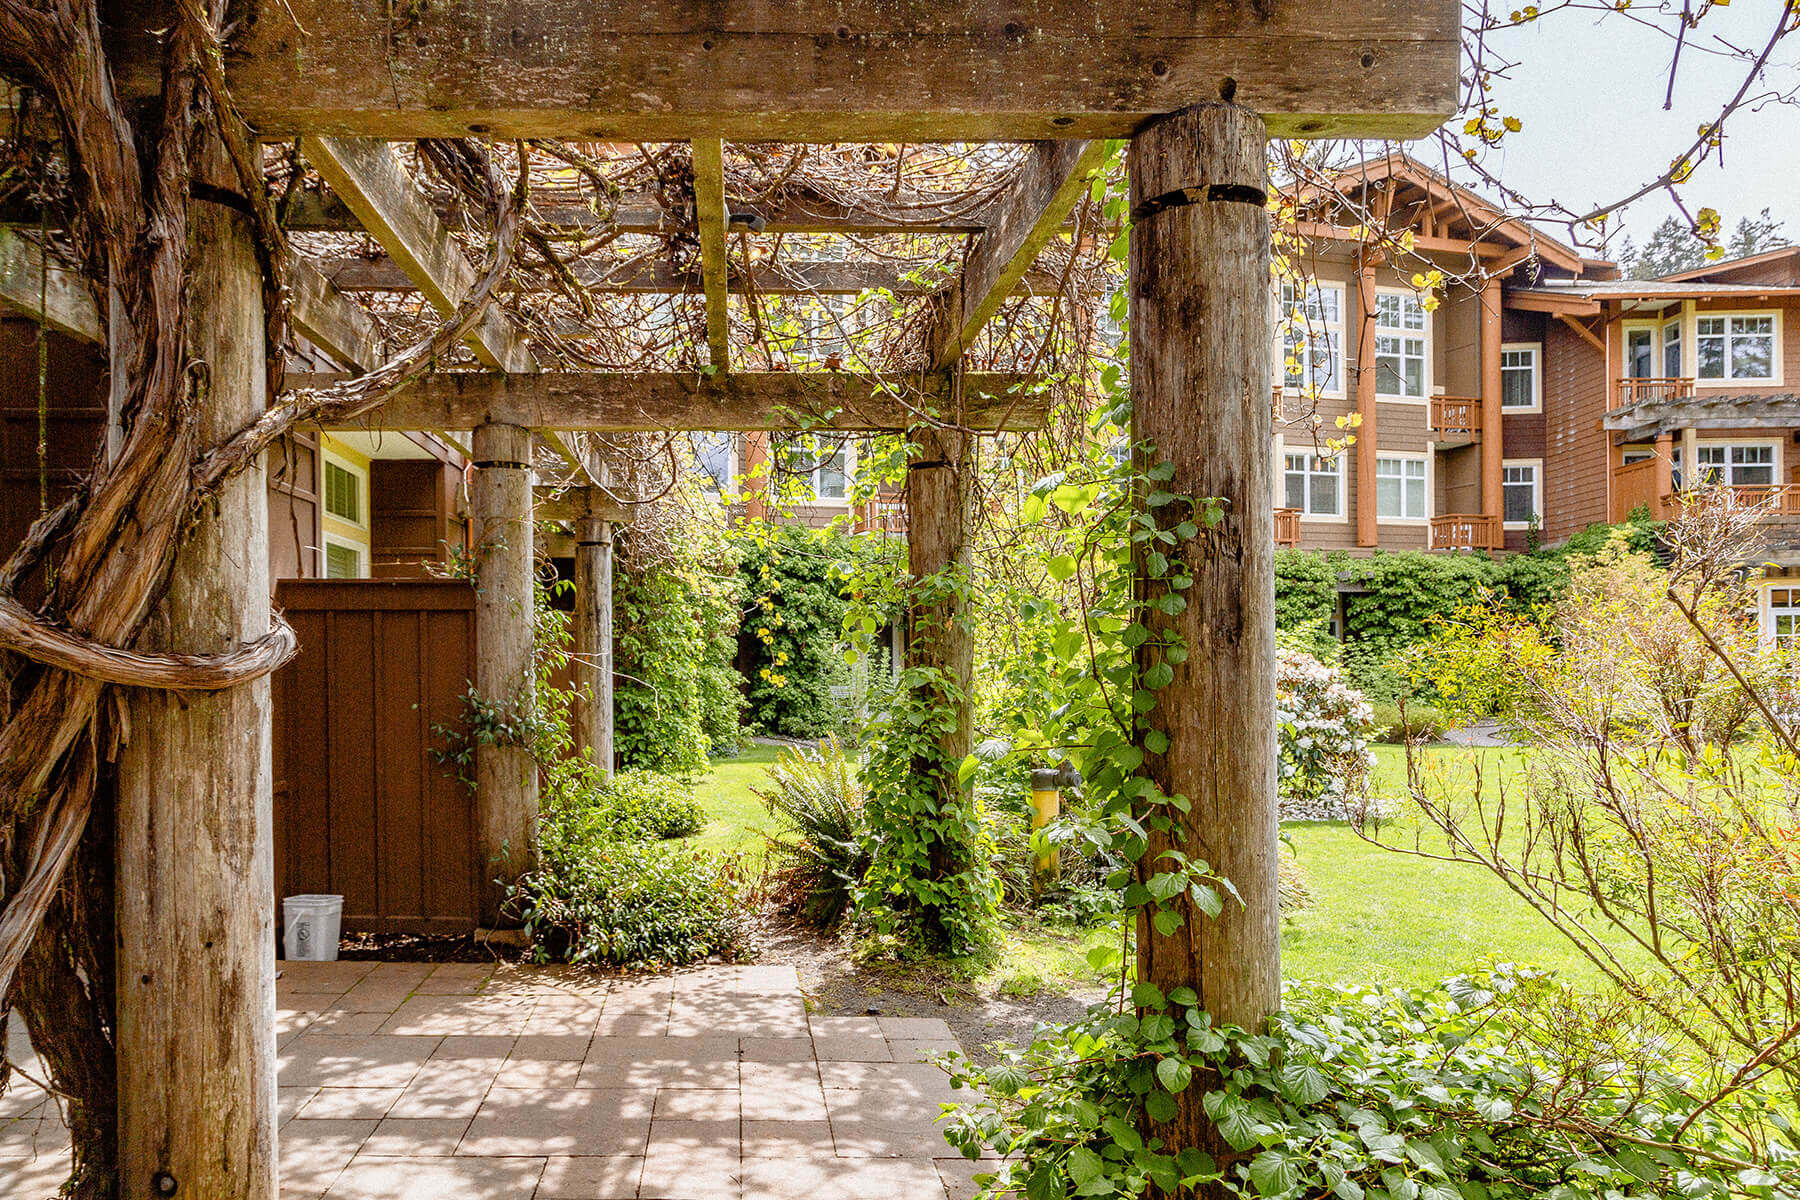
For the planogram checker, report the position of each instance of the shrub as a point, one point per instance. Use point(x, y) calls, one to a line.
point(645, 806)
point(1324, 726)
point(631, 904)
point(822, 850)
point(1419, 723)
point(1496, 1087)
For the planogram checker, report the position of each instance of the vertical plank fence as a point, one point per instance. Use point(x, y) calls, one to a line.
point(362, 807)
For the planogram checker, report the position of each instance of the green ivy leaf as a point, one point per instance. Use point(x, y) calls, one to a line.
point(1273, 1173)
point(1084, 1165)
point(1174, 1074)
point(1304, 1083)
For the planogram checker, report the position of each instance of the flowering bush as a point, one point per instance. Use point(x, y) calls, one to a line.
point(1325, 728)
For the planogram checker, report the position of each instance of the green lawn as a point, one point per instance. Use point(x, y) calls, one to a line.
point(1377, 915)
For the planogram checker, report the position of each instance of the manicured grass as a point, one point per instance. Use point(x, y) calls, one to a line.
point(1377, 915)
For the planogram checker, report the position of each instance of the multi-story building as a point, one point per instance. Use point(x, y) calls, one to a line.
point(1549, 395)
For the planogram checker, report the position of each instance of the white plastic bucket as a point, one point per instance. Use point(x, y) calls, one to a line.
point(312, 927)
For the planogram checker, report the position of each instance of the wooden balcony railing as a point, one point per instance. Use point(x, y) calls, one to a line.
point(1465, 531)
point(1456, 416)
point(1774, 499)
point(1287, 527)
point(1630, 391)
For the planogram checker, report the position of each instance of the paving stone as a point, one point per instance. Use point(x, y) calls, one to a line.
point(415, 1137)
point(744, 1016)
point(564, 1015)
point(787, 1139)
point(34, 1177)
point(22, 1098)
point(347, 1023)
point(691, 1160)
point(490, 1015)
point(475, 1046)
point(447, 1089)
point(819, 1178)
point(867, 1027)
point(767, 979)
point(833, 1047)
point(559, 1121)
point(335, 977)
point(958, 1175)
point(290, 1100)
point(711, 979)
point(901, 1083)
point(924, 1051)
point(313, 1152)
point(26, 1138)
point(631, 1024)
point(788, 1049)
point(325, 1060)
point(456, 979)
point(623, 1062)
point(916, 1028)
point(696, 1104)
point(781, 1092)
point(348, 1103)
point(589, 1177)
point(437, 1179)
point(292, 1022)
point(860, 1138)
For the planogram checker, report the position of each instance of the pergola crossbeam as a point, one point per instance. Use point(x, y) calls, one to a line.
point(1053, 179)
point(371, 179)
point(710, 216)
point(628, 402)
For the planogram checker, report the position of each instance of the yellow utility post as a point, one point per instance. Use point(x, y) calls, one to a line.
point(1046, 805)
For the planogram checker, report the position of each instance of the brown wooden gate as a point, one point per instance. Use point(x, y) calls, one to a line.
point(362, 808)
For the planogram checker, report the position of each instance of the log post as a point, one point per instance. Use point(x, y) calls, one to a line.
point(593, 640)
point(1200, 396)
point(937, 507)
point(506, 784)
point(195, 852)
point(1493, 446)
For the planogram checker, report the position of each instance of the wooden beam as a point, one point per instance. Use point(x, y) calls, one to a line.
point(1053, 179)
point(1563, 306)
point(821, 70)
point(63, 296)
point(578, 504)
point(643, 212)
point(375, 184)
point(1583, 330)
point(332, 321)
point(844, 277)
point(709, 215)
point(635, 402)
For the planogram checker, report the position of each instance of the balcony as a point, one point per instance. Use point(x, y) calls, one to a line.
point(1287, 527)
point(1456, 418)
point(1465, 531)
point(1630, 391)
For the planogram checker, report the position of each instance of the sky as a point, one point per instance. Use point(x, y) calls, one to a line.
point(1589, 91)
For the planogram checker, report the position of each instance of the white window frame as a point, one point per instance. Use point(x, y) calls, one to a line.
point(1651, 328)
point(330, 458)
point(730, 486)
point(1424, 334)
point(1768, 616)
point(1292, 317)
point(1776, 367)
point(1425, 477)
point(810, 446)
point(1537, 490)
point(361, 552)
point(1536, 350)
point(1679, 325)
point(1777, 467)
point(1336, 474)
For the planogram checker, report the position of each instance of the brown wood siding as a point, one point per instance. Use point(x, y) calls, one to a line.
point(294, 510)
point(363, 809)
point(1577, 456)
point(411, 516)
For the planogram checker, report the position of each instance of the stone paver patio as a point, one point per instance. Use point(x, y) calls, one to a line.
point(403, 1081)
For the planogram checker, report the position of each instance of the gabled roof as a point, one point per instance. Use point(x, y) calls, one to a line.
point(1750, 262)
point(1483, 220)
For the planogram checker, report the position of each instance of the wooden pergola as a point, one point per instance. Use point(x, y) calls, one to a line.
point(1197, 88)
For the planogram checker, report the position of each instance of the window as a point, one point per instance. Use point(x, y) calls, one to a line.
point(1400, 343)
point(823, 471)
point(1312, 338)
point(1519, 379)
point(1671, 339)
point(1520, 501)
point(1637, 455)
point(1737, 466)
point(343, 493)
point(1781, 617)
point(1735, 347)
point(1400, 489)
point(342, 561)
point(1314, 485)
point(1640, 352)
point(713, 457)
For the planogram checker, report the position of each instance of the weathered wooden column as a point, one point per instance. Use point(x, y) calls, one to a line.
point(1493, 446)
point(938, 497)
point(1199, 390)
point(195, 853)
point(594, 640)
point(506, 784)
